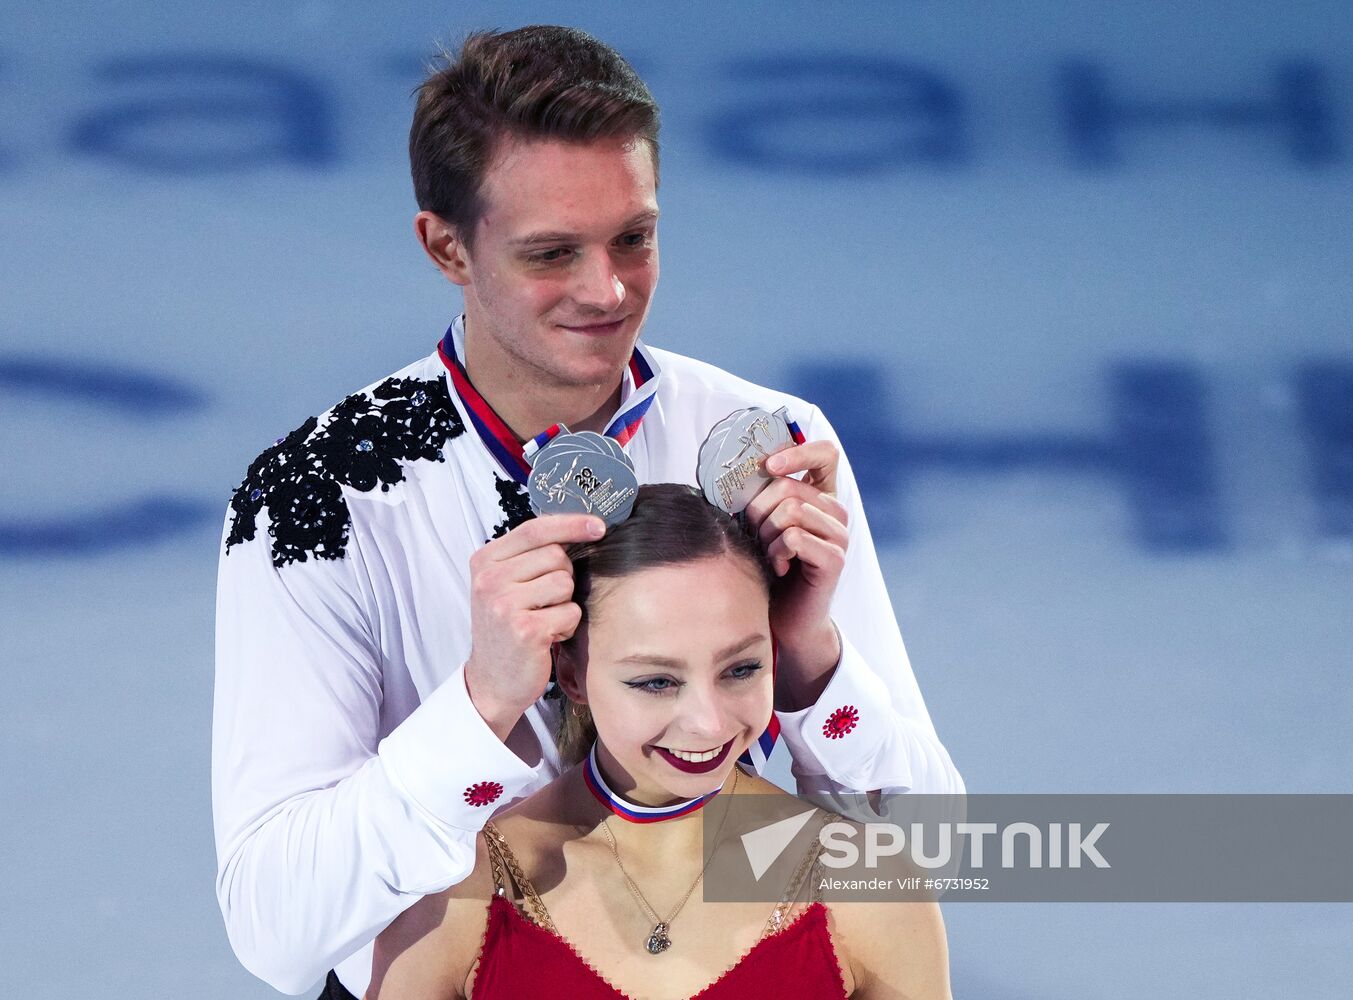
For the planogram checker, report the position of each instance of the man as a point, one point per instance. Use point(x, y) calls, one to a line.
point(386, 604)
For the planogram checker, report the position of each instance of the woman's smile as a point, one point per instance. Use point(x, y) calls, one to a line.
point(695, 763)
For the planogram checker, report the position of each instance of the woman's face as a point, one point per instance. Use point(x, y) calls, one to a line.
point(675, 665)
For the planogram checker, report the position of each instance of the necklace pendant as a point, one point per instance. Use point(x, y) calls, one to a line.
point(658, 941)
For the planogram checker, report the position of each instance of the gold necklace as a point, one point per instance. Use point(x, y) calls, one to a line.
point(659, 939)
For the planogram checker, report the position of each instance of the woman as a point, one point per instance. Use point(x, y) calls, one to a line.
point(590, 887)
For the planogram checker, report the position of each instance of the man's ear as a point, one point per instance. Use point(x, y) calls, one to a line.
point(442, 244)
point(569, 672)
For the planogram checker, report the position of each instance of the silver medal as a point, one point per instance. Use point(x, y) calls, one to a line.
point(602, 443)
point(581, 474)
point(731, 468)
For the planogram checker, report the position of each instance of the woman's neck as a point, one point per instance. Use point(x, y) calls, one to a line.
point(678, 836)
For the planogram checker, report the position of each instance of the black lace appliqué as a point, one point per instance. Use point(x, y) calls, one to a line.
point(361, 446)
point(515, 504)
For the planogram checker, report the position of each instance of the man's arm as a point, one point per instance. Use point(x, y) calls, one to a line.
point(325, 833)
point(868, 728)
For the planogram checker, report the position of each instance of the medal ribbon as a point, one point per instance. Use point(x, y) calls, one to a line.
point(503, 445)
point(757, 755)
point(628, 810)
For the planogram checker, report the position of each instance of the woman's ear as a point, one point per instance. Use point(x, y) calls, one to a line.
point(569, 671)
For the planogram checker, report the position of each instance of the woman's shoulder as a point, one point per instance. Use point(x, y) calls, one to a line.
point(431, 948)
point(428, 950)
point(881, 941)
point(896, 942)
point(750, 783)
point(550, 832)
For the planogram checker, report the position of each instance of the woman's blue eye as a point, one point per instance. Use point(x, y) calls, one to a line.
point(654, 684)
point(661, 685)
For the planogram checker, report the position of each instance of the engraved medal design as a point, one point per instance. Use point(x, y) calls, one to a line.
point(731, 468)
point(584, 473)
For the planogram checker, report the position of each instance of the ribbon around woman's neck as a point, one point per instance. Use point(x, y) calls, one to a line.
point(625, 809)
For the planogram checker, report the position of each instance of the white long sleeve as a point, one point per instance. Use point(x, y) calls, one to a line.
point(350, 771)
point(324, 832)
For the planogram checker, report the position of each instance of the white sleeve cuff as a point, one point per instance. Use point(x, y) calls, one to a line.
point(844, 733)
point(447, 761)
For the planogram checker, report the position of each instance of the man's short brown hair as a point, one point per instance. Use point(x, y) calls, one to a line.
point(539, 82)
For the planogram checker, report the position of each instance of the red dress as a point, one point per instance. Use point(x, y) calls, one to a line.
point(520, 958)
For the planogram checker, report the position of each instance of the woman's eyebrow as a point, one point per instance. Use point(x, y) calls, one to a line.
point(738, 647)
point(654, 660)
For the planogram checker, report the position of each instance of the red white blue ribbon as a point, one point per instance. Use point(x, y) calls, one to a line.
point(643, 372)
point(757, 756)
point(643, 376)
point(628, 810)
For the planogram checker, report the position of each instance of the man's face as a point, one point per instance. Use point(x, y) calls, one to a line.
point(565, 258)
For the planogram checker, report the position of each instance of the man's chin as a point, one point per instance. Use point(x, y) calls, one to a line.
point(584, 362)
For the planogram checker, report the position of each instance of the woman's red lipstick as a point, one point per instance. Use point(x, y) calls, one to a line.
point(691, 767)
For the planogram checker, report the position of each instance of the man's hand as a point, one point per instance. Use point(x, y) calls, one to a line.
point(802, 529)
point(521, 590)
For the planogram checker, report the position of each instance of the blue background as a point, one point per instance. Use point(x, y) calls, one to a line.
point(1071, 280)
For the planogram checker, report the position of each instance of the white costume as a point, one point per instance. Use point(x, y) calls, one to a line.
point(351, 772)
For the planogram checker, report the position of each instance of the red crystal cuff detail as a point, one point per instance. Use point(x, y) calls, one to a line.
point(481, 793)
point(840, 722)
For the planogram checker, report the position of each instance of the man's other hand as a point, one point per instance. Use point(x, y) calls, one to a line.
point(802, 529)
point(521, 603)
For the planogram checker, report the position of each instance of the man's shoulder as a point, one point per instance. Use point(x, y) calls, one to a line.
point(691, 381)
point(363, 443)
